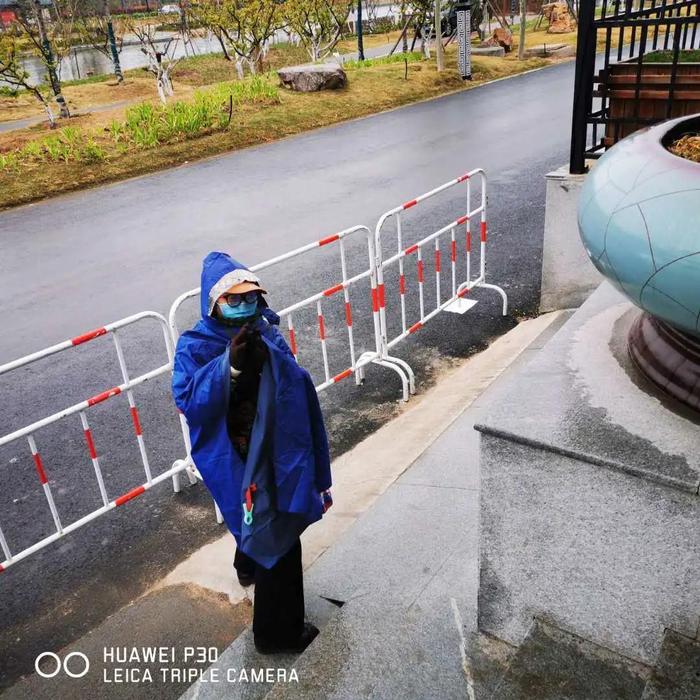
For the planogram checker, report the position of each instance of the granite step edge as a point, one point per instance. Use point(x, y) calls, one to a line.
point(676, 674)
point(692, 487)
point(241, 656)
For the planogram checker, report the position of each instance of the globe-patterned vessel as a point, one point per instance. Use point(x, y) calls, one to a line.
point(639, 219)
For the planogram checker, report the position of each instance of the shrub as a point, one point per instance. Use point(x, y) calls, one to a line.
point(92, 152)
point(147, 126)
point(55, 149)
point(9, 161)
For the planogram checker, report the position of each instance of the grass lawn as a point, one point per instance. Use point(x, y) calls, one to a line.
point(191, 72)
point(100, 149)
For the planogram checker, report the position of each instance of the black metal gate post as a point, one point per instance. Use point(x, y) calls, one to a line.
point(630, 83)
point(583, 85)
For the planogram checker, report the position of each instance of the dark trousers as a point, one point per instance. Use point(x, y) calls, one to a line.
point(278, 612)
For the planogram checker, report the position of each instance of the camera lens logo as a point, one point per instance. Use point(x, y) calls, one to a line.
point(73, 671)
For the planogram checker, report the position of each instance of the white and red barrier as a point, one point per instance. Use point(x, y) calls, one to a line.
point(29, 432)
point(357, 364)
point(453, 300)
point(458, 290)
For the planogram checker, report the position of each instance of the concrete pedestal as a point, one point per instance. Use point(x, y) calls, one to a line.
point(590, 514)
point(568, 276)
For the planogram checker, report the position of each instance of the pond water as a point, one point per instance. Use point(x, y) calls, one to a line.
point(83, 61)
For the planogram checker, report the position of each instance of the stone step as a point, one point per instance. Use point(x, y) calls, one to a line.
point(676, 675)
point(376, 650)
point(241, 673)
point(552, 664)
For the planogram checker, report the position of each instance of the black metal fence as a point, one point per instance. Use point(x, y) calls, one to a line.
point(637, 63)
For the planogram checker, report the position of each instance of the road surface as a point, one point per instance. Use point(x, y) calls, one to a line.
point(76, 262)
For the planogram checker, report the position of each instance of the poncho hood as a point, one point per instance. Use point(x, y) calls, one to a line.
point(220, 272)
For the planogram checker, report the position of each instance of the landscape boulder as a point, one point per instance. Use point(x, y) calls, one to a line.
point(482, 50)
point(310, 78)
point(559, 18)
point(500, 37)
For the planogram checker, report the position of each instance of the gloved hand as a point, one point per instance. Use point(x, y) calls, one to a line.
point(239, 344)
point(248, 351)
point(256, 353)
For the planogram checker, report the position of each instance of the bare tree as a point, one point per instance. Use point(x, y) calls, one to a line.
point(317, 23)
point(13, 73)
point(161, 57)
point(243, 27)
point(96, 28)
point(49, 37)
point(370, 8)
point(422, 10)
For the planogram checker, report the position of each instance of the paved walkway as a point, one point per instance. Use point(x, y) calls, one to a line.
point(406, 574)
point(17, 124)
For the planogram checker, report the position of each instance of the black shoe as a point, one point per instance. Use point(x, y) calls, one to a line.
point(245, 579)
point(307, 636)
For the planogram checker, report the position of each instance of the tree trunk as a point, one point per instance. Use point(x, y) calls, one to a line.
point(47, 55)
point(44, 104)
point(521, 41)
point(258, 60)
point(161, 89)
point(360, 43)
point(221, 41)
point(439, 56)
point(113, 48)
point(404, 45)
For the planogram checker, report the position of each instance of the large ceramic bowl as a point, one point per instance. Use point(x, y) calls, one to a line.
point(639, 219)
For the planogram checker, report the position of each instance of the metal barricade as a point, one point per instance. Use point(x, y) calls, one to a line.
point(374, 273)
point(456, 301)
point(126, 387)
point(357, 364)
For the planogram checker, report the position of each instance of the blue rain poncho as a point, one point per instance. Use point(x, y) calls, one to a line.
point(287, 465)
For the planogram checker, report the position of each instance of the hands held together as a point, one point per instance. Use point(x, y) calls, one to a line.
point(248, 350)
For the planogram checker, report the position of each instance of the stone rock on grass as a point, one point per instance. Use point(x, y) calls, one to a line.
point(313, 77)
point(500, 37)
point(559, 17)
point(482, 50)
point(567, 51)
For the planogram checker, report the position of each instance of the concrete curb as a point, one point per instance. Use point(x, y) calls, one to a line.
point(362, 474)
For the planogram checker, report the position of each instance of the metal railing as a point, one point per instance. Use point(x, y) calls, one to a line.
point(457, 290)
point(631, 88)
point(126, 387)
point(449, 296)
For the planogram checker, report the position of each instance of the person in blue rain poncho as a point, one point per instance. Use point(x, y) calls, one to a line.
point(258, 440)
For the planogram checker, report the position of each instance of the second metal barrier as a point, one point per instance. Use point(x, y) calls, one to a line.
point(455, 301)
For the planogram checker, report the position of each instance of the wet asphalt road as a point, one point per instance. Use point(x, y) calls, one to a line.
point(77, 262)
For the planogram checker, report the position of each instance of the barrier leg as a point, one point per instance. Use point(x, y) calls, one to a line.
point(405, 380)
point(176, 482)
point(468, 286)
point(406, 368)
point(219, 517)
point(501, 292)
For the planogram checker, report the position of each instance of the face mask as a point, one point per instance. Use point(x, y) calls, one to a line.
point(243, 310)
